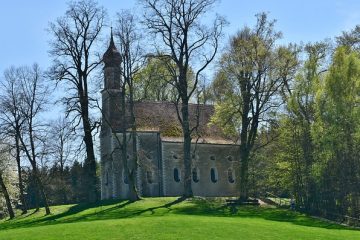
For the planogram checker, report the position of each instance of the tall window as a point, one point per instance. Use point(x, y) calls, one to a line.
point(231, 177)
point(107, 178)
point(149, 177)
point(213, 175)
point(126, 180)
point(176, 175)
point(195, 175)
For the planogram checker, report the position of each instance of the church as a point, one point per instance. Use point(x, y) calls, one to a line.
point(160, 170)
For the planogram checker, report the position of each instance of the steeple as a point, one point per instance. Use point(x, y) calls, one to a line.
point(112, 57)
point(112, 91)
point(112, 44)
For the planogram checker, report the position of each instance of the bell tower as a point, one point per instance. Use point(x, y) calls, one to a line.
point(112, 92)
point(111, 120)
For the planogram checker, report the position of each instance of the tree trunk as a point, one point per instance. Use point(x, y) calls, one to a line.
point(21, 185)
point(244, 135)
point(244, 172)
point(187, 149)
point(130, 171)
point(32, 160)
point(41, 189)
point(134, 195)
point(7, 197)
point(308, 157)
point(91, 168)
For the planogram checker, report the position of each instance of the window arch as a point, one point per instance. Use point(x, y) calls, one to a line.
point(213, 175)
point(212, 157)
point(177, 175)
point(231, 176)
point(195, 175)
point(229, 158)
point(149, 177)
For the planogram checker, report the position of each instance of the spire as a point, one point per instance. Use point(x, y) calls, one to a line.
point(112, 44)
point(112, 56)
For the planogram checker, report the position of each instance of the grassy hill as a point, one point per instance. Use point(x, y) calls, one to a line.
point(167, 218)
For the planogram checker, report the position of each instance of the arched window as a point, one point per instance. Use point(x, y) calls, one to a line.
point(175, 156)
point(212, 157)
point(149, 177)
point(126, 180)
point(229, 158)
point(213, 175)
point(231, 177)
point(195, 175)
point(176, 175)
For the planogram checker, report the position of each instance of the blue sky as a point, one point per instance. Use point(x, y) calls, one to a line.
point(23, 39)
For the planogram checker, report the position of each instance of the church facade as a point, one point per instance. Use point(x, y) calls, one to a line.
point(160, 169)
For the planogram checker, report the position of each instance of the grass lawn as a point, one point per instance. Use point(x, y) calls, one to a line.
point(167, 218)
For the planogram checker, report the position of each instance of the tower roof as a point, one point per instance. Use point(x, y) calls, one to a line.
point(112, 57)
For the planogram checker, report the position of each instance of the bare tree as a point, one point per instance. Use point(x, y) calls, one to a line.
point(62, 140)
point(75, 37)
point(11, 120)
point(132, 59)
point(34, 94)
point(187, 42)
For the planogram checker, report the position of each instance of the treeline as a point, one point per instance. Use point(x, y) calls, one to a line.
point(318, 146)
point(294, 110)
point(62, 185)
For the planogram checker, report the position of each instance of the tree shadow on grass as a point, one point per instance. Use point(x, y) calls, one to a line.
point(108, 210)
point(117, 212)
point(74, 214)
point(63, 217)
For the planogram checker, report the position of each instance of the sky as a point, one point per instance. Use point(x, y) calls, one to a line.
point(23, 23)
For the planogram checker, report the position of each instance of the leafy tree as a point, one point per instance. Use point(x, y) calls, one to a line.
point(153, 82)
point(336, 131)
point(254, 73)
point(298, 142)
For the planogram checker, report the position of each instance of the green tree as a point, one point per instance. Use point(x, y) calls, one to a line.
point(153, 82)
point(298, 144)
point(336, 130)
point(254, 72)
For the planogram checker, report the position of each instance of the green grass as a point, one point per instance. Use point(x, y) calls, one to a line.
point(167, 218)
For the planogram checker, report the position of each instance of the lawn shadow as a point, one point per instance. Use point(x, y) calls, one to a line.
point(117, 212)
point(74, 214)
point(63, 217)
